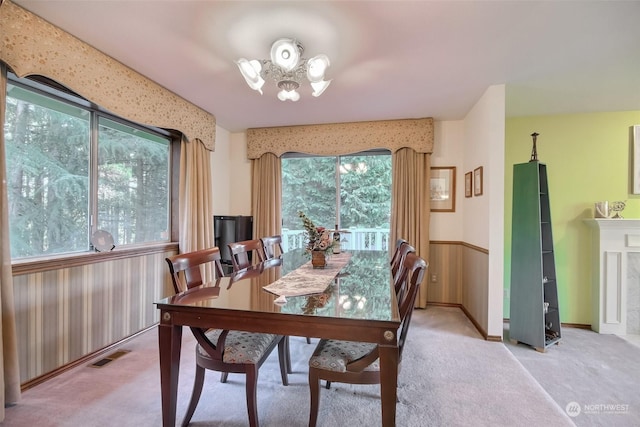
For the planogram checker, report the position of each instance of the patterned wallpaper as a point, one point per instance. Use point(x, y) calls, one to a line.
point(30, 45)
point(342, 138)
point(63, 315)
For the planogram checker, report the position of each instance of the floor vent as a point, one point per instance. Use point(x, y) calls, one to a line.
point(110, 358)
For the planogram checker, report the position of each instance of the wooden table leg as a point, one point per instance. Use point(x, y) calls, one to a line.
point(388, 383)
point(169, 343)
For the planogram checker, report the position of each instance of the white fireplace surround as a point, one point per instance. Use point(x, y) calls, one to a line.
point(615, 275)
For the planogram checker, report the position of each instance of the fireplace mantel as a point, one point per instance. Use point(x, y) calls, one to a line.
point(612, 240)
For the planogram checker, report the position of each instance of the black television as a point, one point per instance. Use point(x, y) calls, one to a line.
point(229, 229)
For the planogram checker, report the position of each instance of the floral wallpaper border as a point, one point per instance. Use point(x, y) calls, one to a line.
point(31, 45)
point(342, 138)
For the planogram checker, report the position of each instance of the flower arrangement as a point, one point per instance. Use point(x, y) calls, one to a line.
point(318, 238)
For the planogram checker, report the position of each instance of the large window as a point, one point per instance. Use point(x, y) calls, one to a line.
point(73, 170)
point(348, 192)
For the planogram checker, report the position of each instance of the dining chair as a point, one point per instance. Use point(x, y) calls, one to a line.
point(241, 253)
point(272, 246)
point(225, 351)
point(357, 362)
point(397, 272)
point(394, 258)
point(190, 266)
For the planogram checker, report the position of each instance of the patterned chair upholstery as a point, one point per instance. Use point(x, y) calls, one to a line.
point(240, 346)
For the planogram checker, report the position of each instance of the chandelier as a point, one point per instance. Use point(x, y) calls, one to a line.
point(287, 68)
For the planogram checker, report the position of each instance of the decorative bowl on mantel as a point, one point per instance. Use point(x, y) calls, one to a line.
point(616, 208)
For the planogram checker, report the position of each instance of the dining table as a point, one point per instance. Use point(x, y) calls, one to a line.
point(352, 298)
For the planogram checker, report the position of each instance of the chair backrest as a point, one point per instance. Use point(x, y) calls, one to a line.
point(240, 253)
point(395, 258)
point(415, 269)
point(189, 266)
point(271, 245)
point(397, 272)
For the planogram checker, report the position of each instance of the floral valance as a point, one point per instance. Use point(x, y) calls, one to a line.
point(342, 138)
point(31, 45)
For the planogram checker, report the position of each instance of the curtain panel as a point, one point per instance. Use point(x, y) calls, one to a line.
point(266, 195)
point(31, 46)
point(410, 206)
point(10, 372)
point(195, 200)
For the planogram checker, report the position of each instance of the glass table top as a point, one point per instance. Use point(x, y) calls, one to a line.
point(361, 290)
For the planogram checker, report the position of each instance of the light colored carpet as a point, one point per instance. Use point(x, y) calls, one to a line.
point(450, 377)
point(597, 373)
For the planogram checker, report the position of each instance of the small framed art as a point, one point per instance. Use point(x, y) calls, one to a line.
point(442, 187)
point(468, 182)
point(477, 181)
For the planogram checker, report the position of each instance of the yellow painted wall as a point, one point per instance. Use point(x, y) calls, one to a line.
point(588, 158)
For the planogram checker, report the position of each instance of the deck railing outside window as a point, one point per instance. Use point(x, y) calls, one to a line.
point(371, 239)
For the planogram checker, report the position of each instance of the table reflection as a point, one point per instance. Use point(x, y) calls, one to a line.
point(360, 291)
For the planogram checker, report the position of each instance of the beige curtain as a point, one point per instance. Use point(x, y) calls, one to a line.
point(195, 199)
point(266, 195)
point(10, 373)
point(410, 210)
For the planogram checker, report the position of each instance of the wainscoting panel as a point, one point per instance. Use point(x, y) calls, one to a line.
point(445, 261)
point(475, 279)
point(462, 272)
point(65, 314)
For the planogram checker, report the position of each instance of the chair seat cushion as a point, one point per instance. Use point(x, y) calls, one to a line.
point(335, 355)
point(240, 347)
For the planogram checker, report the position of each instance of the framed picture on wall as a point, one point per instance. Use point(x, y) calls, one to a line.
point(477, 181)
point(442, 187)
point(636, 160)
point(468, 184)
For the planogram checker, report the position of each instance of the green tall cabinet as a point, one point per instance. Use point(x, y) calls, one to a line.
point(534, 317)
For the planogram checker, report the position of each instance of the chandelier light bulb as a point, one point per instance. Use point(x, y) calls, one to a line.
point(319, 87)
point(285, 53)
point(317, 67)
point(287, 68)
point(288, 95)
point(250, 70)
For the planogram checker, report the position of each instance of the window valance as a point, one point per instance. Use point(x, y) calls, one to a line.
point(342, 138)
point(31, 45)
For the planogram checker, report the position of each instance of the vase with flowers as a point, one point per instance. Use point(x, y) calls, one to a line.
point(319, 242)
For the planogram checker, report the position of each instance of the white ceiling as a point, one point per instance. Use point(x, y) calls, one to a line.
point(389, 59)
